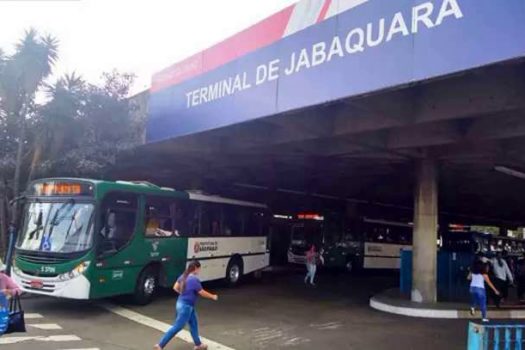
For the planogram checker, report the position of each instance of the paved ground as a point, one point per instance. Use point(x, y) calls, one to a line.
point(278, 312)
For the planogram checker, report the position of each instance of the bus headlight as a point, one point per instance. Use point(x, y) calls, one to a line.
point(77, 271)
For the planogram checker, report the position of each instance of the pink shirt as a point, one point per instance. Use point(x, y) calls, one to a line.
point(310, 257)
point(7, 282)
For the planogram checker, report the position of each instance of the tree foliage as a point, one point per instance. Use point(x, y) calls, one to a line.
point(77, 131)
point(83, 127)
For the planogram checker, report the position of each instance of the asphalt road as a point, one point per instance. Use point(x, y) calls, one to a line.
point(277, 312)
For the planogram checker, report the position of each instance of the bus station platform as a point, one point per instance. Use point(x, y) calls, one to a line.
point(394, 302)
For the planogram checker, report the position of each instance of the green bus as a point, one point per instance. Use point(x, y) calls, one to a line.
point(361, 244)
point(89, 239)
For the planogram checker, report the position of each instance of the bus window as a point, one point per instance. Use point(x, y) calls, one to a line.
point(333, 232)
point(253, 225)
point(119, 214)
point(376, 234)
point(210, 219)
point(158, 217)
point(400, 235)
point(232, 220)
point(186, 218)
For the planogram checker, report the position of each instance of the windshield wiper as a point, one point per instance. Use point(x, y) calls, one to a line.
point(57, 220)
point(38, 227)
point(71, 225)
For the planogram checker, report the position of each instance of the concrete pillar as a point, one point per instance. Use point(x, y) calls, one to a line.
point(424, 270)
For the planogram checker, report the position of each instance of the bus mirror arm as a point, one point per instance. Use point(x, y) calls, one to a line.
point(16, 200)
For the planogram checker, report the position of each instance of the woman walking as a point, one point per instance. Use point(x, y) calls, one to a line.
point(189, 288)
point(478, 277)
point(312, 257)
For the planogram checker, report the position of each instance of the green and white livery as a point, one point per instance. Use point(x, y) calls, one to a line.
point(89, 239)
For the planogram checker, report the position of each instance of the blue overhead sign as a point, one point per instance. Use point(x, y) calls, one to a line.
point(376, 45)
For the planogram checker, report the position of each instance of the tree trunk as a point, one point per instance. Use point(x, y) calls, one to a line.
point(18, 165)
point(3, 218)
point(36, 159)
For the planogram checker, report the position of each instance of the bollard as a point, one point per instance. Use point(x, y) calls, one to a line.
point(495, 336)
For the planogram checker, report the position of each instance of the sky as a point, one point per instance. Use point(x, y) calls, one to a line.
point(138, 36)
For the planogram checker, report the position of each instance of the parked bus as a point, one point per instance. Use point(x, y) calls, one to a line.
point(88, 239)
point(365, 244)
point(484, 244)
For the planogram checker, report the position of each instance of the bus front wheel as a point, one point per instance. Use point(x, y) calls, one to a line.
point(234, 271)
point(350, 266)
point(146, 286)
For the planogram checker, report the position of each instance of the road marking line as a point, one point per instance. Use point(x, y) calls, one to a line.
point(45, 326)
point(160, 326)
point(53, 338)
point(83, 349)
point(32, 316)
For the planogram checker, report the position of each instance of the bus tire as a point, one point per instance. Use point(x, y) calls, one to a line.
point(147, 285)
point(349, 266)
point(234, 271)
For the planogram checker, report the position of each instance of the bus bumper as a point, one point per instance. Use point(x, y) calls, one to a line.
point(76, 288)
point(296, 259)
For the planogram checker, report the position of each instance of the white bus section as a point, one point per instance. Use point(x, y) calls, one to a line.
point(215, 253)
point(75, 288)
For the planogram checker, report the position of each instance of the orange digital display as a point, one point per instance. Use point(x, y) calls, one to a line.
point(310, 216)
point(61, 189)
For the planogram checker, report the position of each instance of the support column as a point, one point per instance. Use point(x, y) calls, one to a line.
point(424, 263)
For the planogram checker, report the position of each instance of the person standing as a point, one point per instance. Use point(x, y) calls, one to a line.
point(503, 277)
point(7, 286)
point(312, 259)
point(520, 278)
point(189, 288)
point(478, 277)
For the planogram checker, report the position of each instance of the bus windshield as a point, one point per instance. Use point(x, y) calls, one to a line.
point(305, 234)
point(57, 227)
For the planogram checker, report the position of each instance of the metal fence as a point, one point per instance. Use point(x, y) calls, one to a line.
point(504, 336)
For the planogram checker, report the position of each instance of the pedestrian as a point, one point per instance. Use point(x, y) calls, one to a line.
point(7, 286)
point(478, 277)
point(188, 286)
point(520, 278)
point(312, 259)
point(502, 277)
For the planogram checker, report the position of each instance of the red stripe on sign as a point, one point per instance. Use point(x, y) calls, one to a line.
point(258, 36)
point(324, 11)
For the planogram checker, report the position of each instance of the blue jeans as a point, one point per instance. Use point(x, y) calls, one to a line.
point(311, 269)
point(479, 298)
point(185, 315)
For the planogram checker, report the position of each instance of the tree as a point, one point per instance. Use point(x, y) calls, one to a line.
point(77, 131)
point(21, 76)
point(91, 122)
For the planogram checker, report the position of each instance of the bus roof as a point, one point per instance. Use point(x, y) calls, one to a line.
point(150, 188)
point(198, 196)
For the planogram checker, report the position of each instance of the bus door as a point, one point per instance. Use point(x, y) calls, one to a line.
point(168, 223)
point(117, 263)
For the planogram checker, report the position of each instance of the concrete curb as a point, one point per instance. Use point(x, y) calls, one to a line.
point(392, 307)
point(413, 312)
